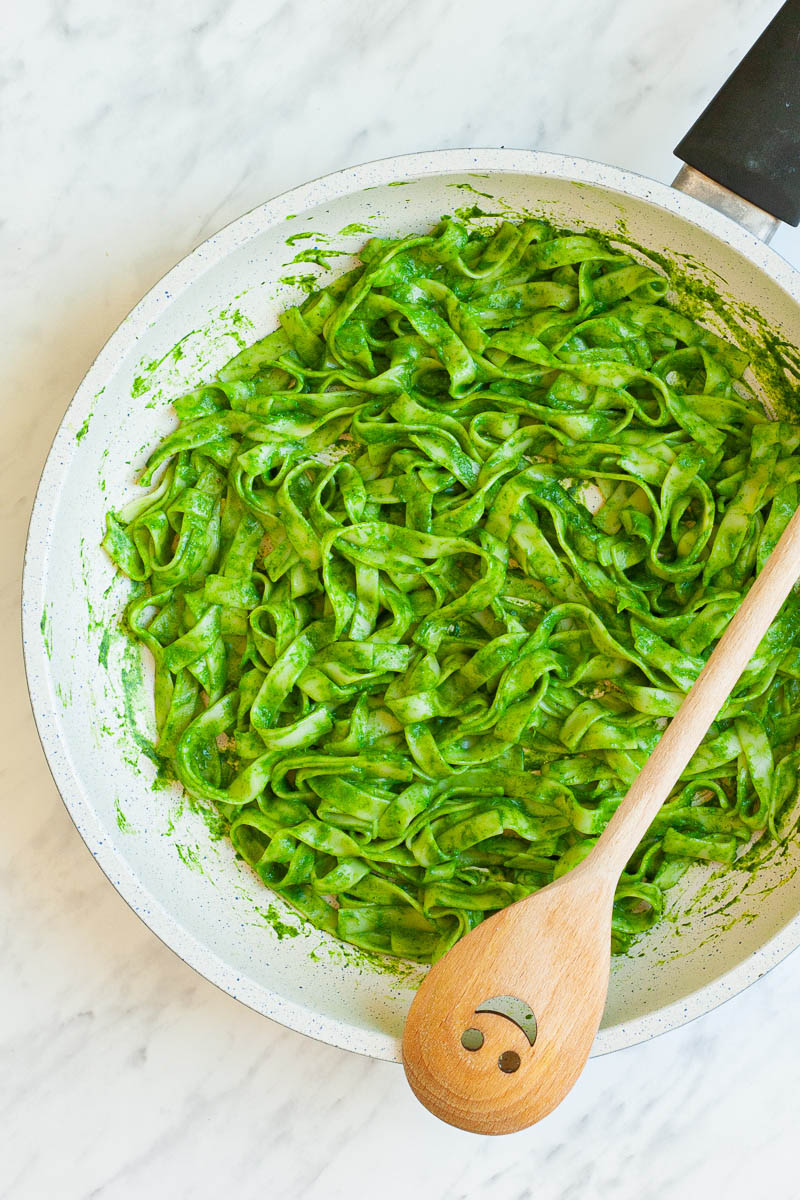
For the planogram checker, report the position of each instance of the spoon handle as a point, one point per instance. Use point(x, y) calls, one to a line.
point(714, 684)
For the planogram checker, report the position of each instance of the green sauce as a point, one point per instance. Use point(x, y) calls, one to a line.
point(427, 569)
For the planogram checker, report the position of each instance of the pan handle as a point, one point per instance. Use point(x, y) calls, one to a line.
point(743, 151)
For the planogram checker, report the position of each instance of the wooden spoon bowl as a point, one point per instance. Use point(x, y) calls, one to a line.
point(550, 986)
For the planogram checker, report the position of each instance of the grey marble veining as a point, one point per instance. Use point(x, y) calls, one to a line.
point(129, 133)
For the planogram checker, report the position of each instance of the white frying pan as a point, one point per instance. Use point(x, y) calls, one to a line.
point(92, 711)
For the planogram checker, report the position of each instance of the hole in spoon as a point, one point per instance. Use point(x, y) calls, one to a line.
point(509, 1061)
point(472, 1039)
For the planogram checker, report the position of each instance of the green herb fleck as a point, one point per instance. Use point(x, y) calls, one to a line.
point(353, 229)
point(122, 821)
point(189, 857)
point(44, 625)
point(307, 283)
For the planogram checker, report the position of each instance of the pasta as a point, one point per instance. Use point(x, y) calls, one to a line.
point(426, 570)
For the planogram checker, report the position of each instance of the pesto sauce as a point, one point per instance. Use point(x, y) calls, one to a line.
point(771, 357)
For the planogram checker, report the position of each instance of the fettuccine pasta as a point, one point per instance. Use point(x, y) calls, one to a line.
point(426, 571)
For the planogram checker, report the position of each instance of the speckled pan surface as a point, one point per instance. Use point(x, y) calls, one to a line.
point(90, 692)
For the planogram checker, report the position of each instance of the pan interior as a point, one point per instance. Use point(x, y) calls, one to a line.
point(92, 691)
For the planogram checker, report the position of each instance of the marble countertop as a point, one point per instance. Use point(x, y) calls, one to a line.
point(129, 134)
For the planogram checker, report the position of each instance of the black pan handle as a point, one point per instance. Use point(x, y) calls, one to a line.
point(748, 139)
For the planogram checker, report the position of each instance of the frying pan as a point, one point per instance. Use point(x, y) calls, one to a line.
point(90, 691)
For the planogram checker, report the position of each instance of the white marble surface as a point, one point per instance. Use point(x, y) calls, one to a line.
point(129, 133)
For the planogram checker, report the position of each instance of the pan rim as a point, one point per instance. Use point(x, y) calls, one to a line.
point(231, 237)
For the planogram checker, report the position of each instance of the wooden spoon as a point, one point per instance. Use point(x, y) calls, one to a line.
point(502, 1026)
